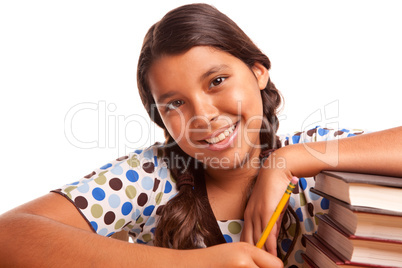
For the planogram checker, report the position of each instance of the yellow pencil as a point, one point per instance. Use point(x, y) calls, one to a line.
point(277, 212)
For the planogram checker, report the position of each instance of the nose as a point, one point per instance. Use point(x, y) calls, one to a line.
point(204, 112)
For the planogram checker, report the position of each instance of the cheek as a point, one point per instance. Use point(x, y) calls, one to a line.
point(174, 128)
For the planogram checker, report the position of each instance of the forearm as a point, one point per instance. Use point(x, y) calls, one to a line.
point(48, 243)
point(377, 153)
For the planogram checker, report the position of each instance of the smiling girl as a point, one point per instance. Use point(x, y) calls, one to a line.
point(217, 178)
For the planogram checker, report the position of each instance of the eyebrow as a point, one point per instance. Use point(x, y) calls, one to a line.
point(214, 69)
point(166, 96)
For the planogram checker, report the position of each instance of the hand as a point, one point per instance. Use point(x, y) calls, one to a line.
point(238, 254)
point(268, 190)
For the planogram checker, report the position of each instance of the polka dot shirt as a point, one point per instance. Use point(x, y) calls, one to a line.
point(129, 192)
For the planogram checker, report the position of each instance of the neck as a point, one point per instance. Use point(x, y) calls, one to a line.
point(228, 189)
point(238, 177)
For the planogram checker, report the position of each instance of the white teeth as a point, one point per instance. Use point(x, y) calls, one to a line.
point(221, 136)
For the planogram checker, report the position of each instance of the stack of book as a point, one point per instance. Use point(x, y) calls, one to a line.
point(363, 226)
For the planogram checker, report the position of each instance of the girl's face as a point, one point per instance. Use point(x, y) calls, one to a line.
point(210, 103)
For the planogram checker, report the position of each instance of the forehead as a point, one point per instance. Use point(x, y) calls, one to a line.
point(171, 71)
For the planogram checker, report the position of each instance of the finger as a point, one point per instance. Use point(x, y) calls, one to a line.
point(247, 233)
point(265, 259)
point(260, 226)
point(258, 229)
point(271, 244)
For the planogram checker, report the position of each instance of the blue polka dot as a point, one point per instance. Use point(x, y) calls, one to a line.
point(98, 194)
point(295, 139)
point(285, 245)
point(117, 170)
point(138, 151)
point(148, 210)
point(303, 183)
point(322, 131)
point(127, 208)
point(351, 135)
point(84, 188)
point(114, 201)
point(108, 165)
point(153, 230)
point(313, 196)
point(110, 234)
point(94, 225)
point(140, 241)
point(136, 231)
point(299, 214)
point(163, 173)
point(103, 232)
point(147, 183)
point(74, 183)
point(155, 161)
point(298, 256)
point(292, 202)
point(324, 203)
point(345, 130)
point(150, 221)
point(149, 154)
point(172, 196)
point(132, 175)
point(168, 187)
point(136, 214)
point(309, 225)
point(228, 238)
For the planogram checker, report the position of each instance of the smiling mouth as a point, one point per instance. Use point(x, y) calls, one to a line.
point(226, 133)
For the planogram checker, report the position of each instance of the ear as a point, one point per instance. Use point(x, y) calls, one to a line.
point(262, 75)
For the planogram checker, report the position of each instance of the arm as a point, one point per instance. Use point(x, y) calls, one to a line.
point(376, 153)
point(49, 231)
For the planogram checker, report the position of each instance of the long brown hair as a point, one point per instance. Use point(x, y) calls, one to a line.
point(177, 32)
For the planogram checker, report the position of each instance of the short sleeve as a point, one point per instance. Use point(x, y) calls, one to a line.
point(319, 134)
point(123, 194)
point(305, 204)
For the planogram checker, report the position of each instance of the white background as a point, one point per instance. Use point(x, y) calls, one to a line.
point(339, 57)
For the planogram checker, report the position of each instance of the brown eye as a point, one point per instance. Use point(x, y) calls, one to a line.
point(217, 81)
point(174, 104)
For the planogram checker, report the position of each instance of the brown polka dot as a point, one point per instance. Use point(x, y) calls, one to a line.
point(126, 224)
point(142, 199)
point(81, 202)
point(338, 133)
point(156, 184)
point(109, 217)
point(142, 226)
point(310, 209)
point(311, 132)
point(148, 167)
point(303, 241)
point(122, 158)
point(296, 190)
point(159, 210)
point(90, 175)
point(115, 184)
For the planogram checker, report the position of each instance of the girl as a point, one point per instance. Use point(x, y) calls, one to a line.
point(207, 85)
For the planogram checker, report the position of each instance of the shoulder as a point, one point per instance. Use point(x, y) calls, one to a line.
point(126, 191)
point(318, 133)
